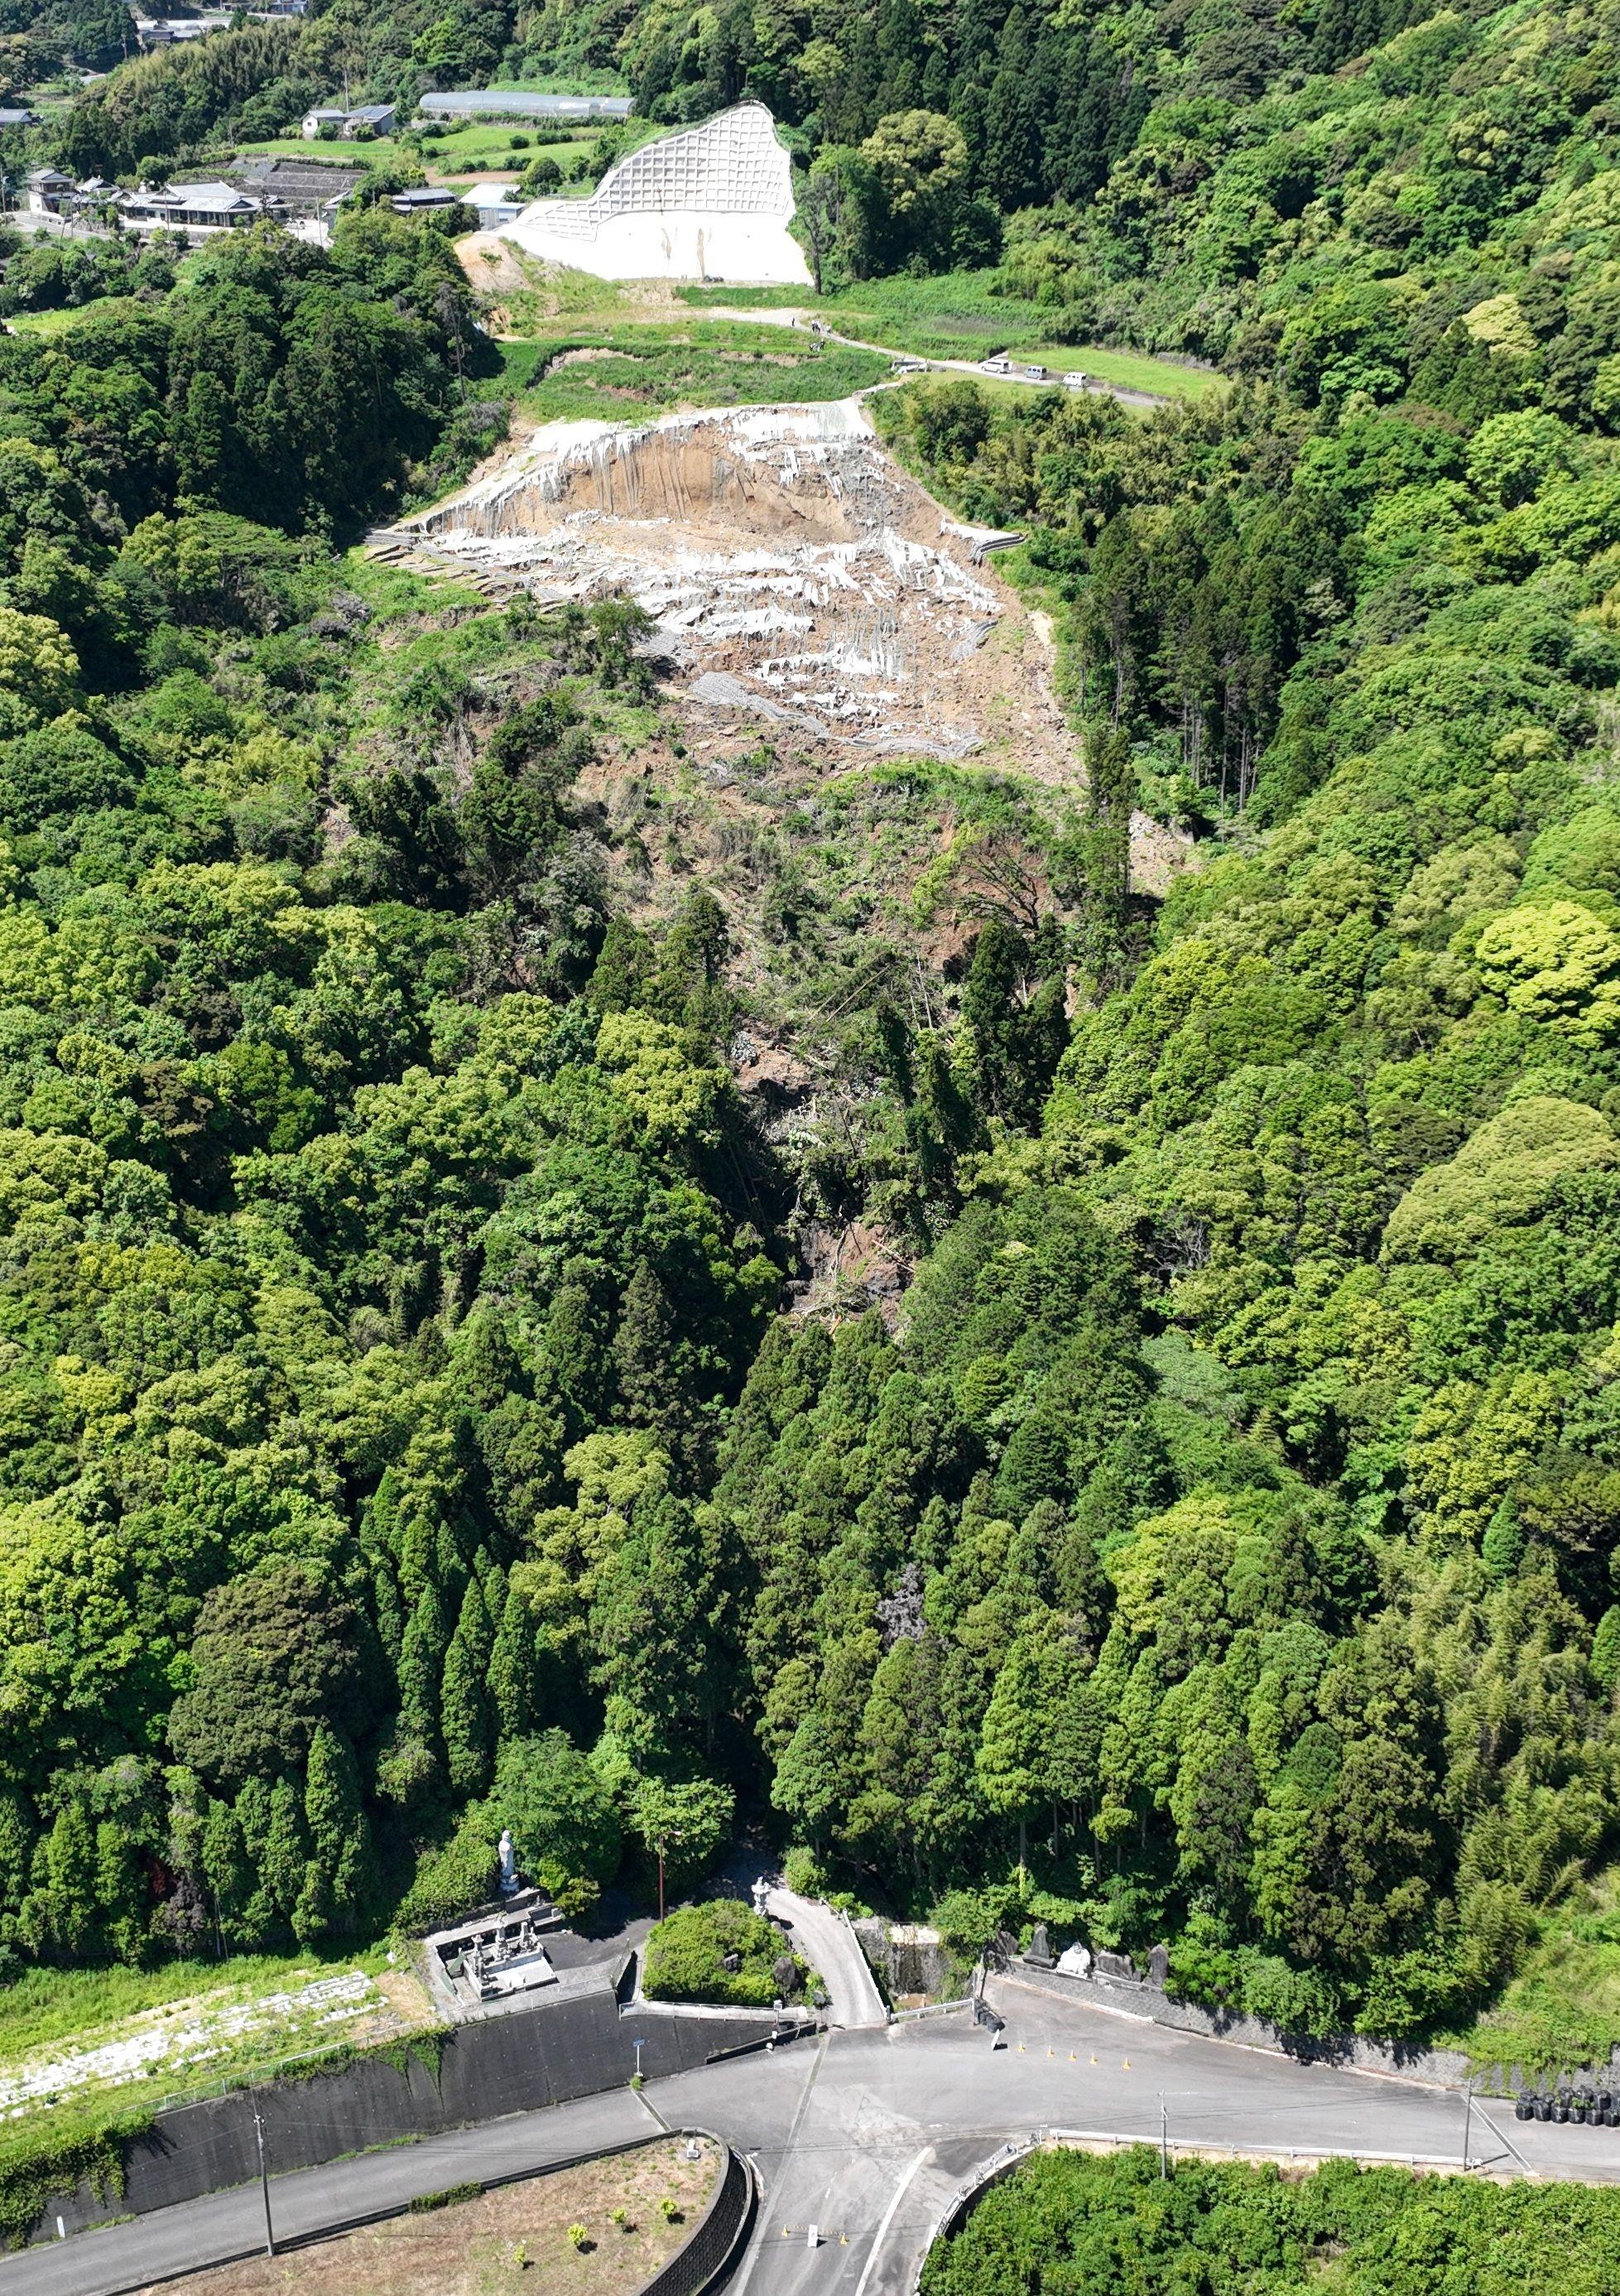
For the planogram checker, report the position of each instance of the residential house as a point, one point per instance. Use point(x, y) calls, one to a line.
point(49, 190)
point(190, 207)
point(424, 202)
point(336, 120)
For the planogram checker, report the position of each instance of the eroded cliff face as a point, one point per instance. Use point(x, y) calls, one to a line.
point(795, 574)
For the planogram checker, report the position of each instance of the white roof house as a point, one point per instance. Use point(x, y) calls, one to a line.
point(711, 202)
point(494, 204)
point(189, 206)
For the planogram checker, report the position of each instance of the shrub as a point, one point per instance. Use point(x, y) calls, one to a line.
point(804, 1873)
point(451, 1881)
point(685, 1956)
point(580, 2237)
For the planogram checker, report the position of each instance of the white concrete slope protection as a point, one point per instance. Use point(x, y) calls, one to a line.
point(710, 202)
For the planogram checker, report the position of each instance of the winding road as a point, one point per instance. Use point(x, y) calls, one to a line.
point(866, 2133)
point(827, 1942)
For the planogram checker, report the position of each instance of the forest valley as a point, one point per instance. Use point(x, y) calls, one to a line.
point(405, 1426)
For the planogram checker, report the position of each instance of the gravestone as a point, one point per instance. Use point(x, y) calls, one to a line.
point(1040, 1953)
point(1118, 1966)
point(1158, 1966)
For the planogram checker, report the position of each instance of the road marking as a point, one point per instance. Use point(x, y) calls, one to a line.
point(756, 2245)
point(888, 2218)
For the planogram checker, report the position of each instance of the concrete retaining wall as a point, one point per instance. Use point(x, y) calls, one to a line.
point(707, 2259)
point(907, 1964)
point(534, 2057)
point(1445, 2068)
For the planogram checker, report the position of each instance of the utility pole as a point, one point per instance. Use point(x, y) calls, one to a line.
point(1164, 2137)
point(660, 1877)
point(264, 2173)
point(1468, 2123)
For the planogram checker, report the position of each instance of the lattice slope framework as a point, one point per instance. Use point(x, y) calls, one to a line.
point(711, 202)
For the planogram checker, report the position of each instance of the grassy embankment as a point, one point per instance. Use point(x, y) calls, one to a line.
point(956, 317)
point(620, 371)
point(1562, 2009)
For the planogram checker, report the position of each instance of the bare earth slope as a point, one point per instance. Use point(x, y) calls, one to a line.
point(795, 573)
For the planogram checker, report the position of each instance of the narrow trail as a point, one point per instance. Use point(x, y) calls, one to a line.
point(800, 317)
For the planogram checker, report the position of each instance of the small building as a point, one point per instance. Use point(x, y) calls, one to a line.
point(425, 200)
point(494, 204)
point(356, 122)
point(165, 31)
point(49, 190)
point(13, 118)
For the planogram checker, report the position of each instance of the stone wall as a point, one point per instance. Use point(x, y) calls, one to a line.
point(707, 2256)
point(907, 1961)
point(1446, 2068)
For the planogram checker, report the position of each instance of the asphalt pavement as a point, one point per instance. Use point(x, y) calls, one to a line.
point(865, 2134)
point(827, 1941)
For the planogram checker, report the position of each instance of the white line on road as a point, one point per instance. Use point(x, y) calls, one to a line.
point(888, 2218)
point(756, 2245)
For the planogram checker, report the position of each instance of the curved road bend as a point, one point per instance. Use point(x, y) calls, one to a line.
point(825, 1940)
point(865, 2132)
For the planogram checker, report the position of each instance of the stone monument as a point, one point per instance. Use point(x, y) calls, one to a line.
point(509, 1884)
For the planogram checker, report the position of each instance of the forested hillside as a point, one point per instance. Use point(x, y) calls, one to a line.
point(401, 1426)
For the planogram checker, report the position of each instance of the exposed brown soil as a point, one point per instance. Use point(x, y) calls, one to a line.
point(801, 581)
point(513, 2239)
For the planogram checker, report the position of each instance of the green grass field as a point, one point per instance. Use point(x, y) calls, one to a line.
point(481, 144)
point(956, 317)
point(653, 369)
point(87, 2006)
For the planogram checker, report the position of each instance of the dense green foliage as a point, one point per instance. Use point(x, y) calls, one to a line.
point(400, 1435)
point(1071, 2224)
point(719, 1951)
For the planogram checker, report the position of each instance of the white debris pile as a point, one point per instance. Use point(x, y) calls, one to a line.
point(158, 2042)
point(778, 550)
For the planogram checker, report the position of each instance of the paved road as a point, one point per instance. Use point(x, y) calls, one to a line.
point(831, 1947)
point(865, 2132)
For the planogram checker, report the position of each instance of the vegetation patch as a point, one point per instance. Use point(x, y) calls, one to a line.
point(720, 1951)
point(1074, 2224)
